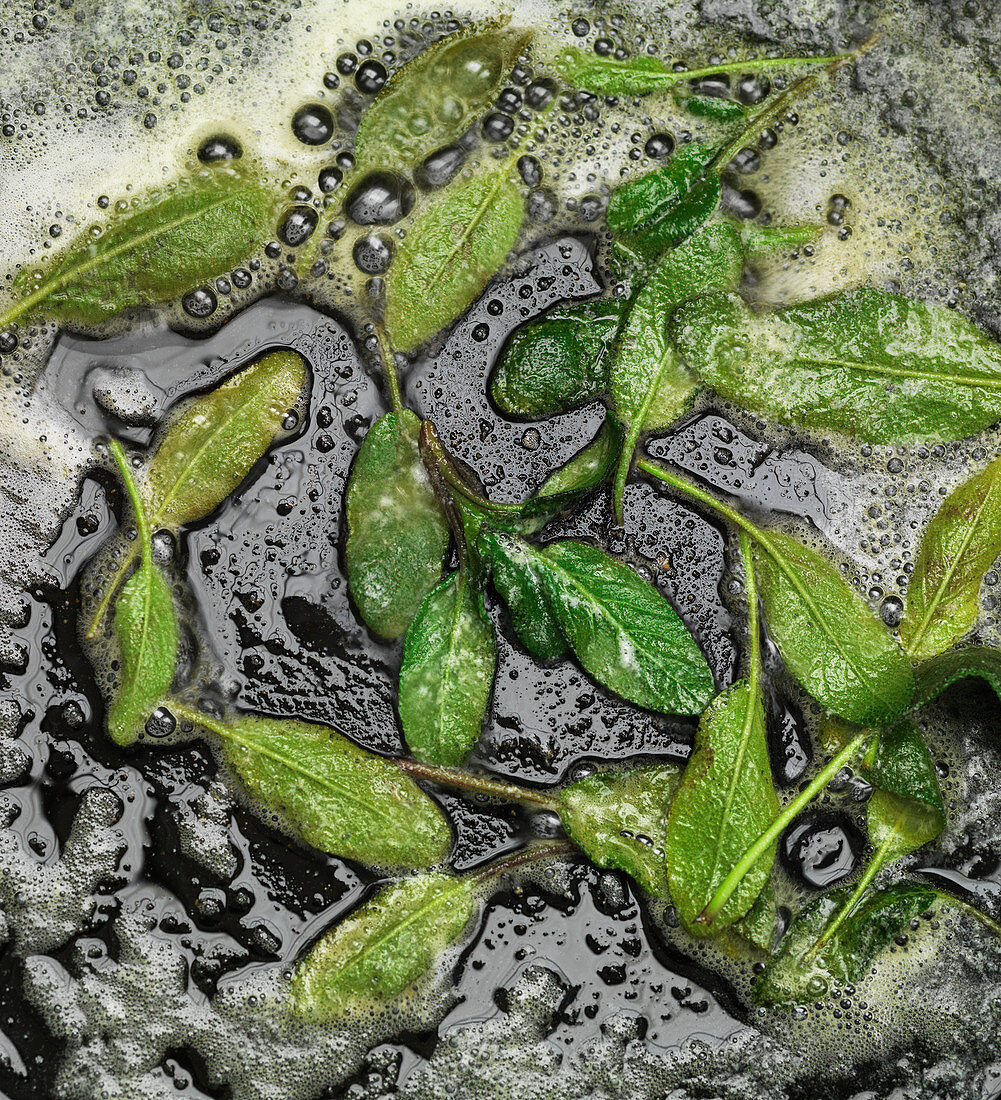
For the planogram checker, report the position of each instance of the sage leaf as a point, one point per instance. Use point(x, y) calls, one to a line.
point(208, 451)
point(449, 663)
point(650, 387)
point(617, 818)
point(146, 628)
point(380, 950)
point(713, 108)
point(960, 545)
point(558, 362)
point(623, 631)
point(331, 793)
point(433, 100)
point(589, 468)
point(905, 811)
point(799, 974)
point(518, 573)
point(829, 638)
point(757, 925)
point(154, 254)
point(933, 676)
point(649, 214)
point(456, 244)
point(397, 530)
point(872, 365)
point(607, 76)
point(724, 801)
point(148, 638)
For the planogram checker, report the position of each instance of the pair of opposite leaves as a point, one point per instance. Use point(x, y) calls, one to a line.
point(566, 595)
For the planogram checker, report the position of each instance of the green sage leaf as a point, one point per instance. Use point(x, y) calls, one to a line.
point(333, 794)
point(905, 811)
point(959, 546)
point(608, 76)
point(208, 451)
point(589, 468)
point(149, 638)
point(397, 531)
point(518, 573)
point(617, 818)
point(711, 107)
point(797, 974)
point(558, 362)
point(449, 663)
point(649, 214)
point(154, 254)
point(381, 949)
point(433, 100)
point(622, 630)
point(757, 925)
point(830, 639)
point(456, 244)
point(933, 676)
point(724, 801)
point(872, 365)
point(650, 386)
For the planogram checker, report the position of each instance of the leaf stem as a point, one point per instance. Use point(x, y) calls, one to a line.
point(389, 368)
point(459, 779)
point(876, 864)
point(757, 849)
point(534, 853)
point(753, 619)
point(753, 65)
point(142, 522)
point(689, 488)
point(431, 442)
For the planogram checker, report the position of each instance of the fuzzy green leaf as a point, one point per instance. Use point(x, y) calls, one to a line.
point(622, 630)
point(872, 365)
point(433, 100)
point(724, 801)
point(713, 108)
point(456, 244)
point(607, 76)
point(518, 572)
point(148, 636)
point(208, 451)
point(589, 468)
point(617, 818)
point(649, 214)
point(830, 639)
point(150, 255)
point(449, 663)
point(960, 545)
point(797, 974)
point(381, 949)
point(397, 531)
point(333, 794)
point(650, 387)
point(558, 362)
point(905, 810)
point(933, 676)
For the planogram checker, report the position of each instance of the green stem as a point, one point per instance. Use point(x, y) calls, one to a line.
point(753, 622)
point(689, 488)
point(876, 864)
point(142, 522)
point(431, 443)
point(771, 834)
point(389, 368)
point(756, 64)
point(534, 853)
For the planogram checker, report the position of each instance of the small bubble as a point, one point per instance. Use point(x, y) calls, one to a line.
point(481, 332)
point(346, 64)
point(370, 77)
point(161, 723)
point(498, 126)
point(540, 94)
point(298, 225)
point(219, 147)
point(199, 303)
point(381, 198)
point(373, 254)
point(164, 547)
point(891, 610)
point(313, 124)
point(329, 179)
point(531, 440)
point(659, 146)
point(440, 167)
point(530, 171)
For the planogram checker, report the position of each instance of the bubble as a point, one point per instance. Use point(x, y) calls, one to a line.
point(346, 64)
point(199, 303)
point(440, 167)
point(8, 342)
point(381, 198)
point(891, 611)
point(540, 94)
point(581, 28)
point(530, 171)
point(161, 723)
point(498, 126)
point(373, 254)
point(329, 179)
point(821, 849)
point(219, 147)
point(541, 205)
point(370, 77)
point(509, 100)
point(659, 146)
point(313, 124)
point(298, 225)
